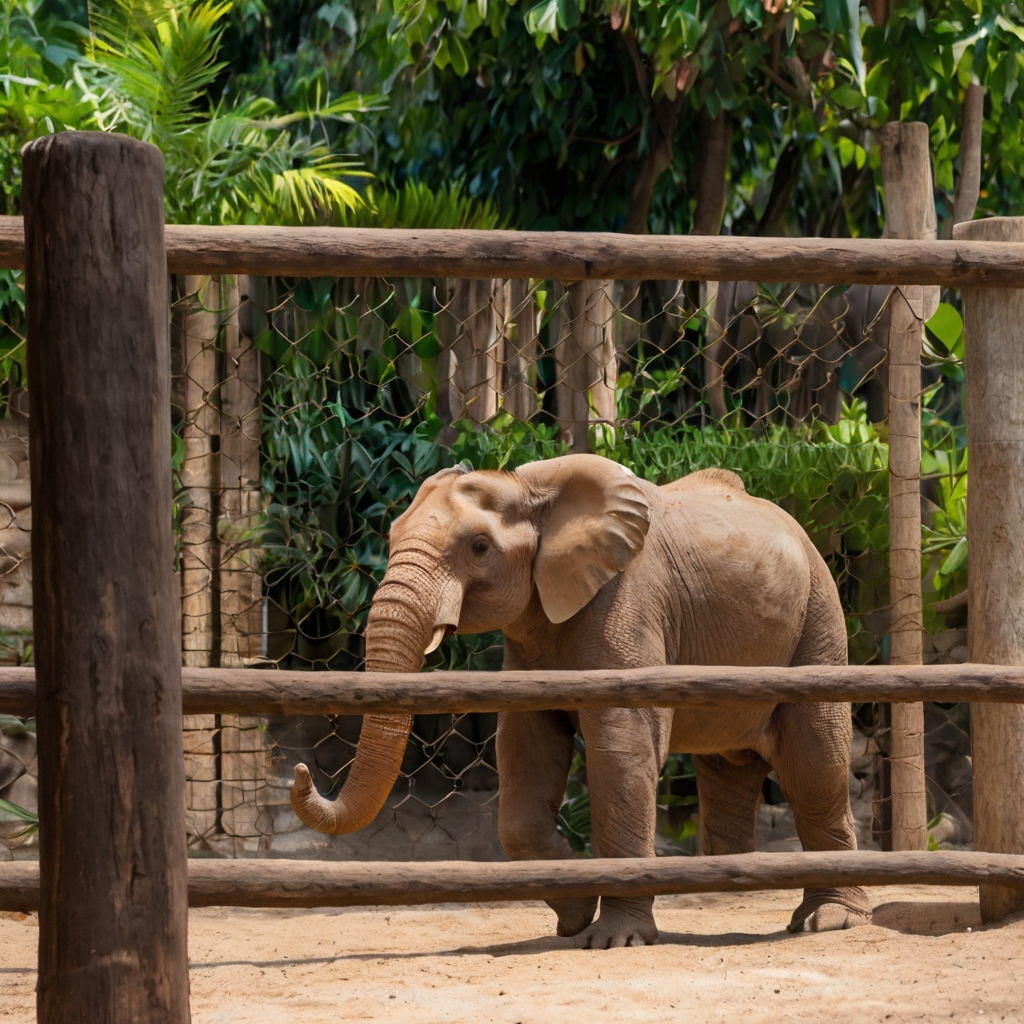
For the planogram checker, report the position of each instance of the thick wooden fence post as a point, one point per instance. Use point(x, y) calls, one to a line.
point(994, 333)
point(909, 213)
point(113, 902)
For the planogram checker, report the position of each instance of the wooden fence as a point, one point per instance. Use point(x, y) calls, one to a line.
point(113, 884)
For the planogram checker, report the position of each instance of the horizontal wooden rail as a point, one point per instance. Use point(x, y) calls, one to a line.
point(304, 883)
point(268, 692)
point(570, 256)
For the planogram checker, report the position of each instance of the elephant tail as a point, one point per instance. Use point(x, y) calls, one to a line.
point(705, 479)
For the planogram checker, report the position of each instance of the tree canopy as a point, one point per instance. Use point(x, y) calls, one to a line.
point(607, 115)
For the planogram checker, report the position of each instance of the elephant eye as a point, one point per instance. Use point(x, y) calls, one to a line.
point(481, 546)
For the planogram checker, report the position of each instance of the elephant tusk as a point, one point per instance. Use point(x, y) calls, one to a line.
point(449, 608)
point(435, 640)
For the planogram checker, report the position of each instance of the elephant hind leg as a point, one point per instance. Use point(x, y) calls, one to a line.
point(728, 792)
point(534, 751)
point(811, 757)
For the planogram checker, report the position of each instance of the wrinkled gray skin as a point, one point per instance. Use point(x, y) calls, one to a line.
point(583, 566)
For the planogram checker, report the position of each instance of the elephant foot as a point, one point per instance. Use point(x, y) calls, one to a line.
point(623, 922)
point(829, 917)
point(574, 914)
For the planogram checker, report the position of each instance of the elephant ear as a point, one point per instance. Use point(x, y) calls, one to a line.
point(593, 519)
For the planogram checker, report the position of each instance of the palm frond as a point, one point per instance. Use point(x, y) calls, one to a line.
point(151, 63)
point(415, 205)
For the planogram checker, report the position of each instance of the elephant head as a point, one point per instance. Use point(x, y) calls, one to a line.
point(468, 556)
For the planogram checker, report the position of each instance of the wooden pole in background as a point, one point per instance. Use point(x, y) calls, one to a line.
point(522, 322)
point(113, 902)
point(200, 555)
point(994, 334)
point(586, 361)
point(968, 186)
point(909, 213)
point(200, 474)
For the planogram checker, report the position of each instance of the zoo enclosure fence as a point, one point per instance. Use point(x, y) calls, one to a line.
point(764, 357)
point(307, 410)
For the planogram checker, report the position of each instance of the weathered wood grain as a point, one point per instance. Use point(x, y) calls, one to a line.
point(259, 692)
point(909, 213)
point(112, 921)
point(287, 883)
point(993, 335)
point(571, 256)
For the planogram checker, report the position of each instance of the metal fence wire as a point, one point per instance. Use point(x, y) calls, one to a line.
point(306, 413)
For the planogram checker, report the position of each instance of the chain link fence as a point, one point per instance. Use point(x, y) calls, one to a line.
point(306, 413)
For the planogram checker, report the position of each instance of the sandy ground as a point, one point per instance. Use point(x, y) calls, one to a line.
point(720, 958)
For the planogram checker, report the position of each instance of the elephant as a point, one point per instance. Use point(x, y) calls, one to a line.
point(584, 566)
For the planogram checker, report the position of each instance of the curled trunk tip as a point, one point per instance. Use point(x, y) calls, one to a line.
point(377, 763)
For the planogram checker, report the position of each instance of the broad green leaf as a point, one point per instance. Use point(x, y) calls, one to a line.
point(543, 19)
point(948, 327)
point(460, 63)
point(956, 559)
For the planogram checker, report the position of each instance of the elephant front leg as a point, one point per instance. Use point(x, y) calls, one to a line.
point(625, 751)
point(534, 750)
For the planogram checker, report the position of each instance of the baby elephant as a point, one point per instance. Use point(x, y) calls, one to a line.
point(583, 566)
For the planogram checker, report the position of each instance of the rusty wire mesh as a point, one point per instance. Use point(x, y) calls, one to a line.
point(307, 412)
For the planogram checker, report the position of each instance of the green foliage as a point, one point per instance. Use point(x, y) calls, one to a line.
point(335, 479)
point(146, 68)
point(574, 814)
point(833, 479)
point(944, 538)
point(37, 55)
point(150, 64)
point(552, 108)
point(414, 205)
point(13, 813)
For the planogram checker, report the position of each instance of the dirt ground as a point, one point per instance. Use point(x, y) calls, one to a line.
point(720, 958)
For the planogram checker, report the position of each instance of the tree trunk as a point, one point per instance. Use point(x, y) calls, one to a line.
point(711, 173)
point(994, 332)
point(910, 213)
point(113, 898)
point(655, 163)
point(710, 187)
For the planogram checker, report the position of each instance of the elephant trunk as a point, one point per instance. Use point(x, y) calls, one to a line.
point(402, 626)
